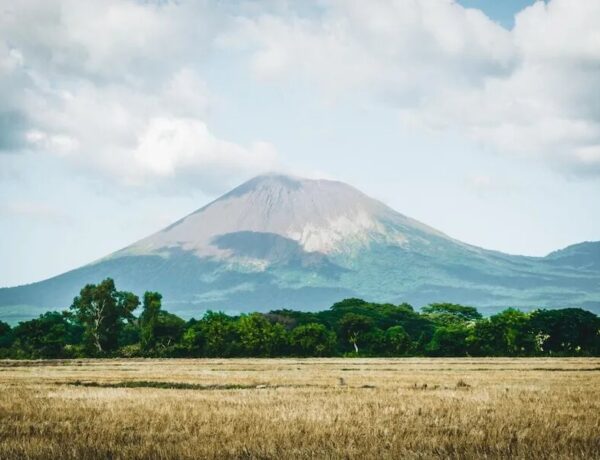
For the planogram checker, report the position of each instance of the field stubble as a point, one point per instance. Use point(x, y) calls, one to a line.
point(296, 408)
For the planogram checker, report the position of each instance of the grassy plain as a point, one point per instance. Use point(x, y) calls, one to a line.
point(300, 408)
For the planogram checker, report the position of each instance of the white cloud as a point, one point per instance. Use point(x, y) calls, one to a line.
point(59, 144)
point(140, 139)
point(93, 82)
point(113, 39)
point(169, 146)
point(399, 46)
point(530, 91)
point(115, 89)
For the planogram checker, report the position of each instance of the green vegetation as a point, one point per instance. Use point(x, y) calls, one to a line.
point(101, 323)
point(164, 385)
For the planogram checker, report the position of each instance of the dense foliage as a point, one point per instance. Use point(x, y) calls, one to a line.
point(101, 323)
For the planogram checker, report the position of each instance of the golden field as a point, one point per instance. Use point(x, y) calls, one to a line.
point(300, 408)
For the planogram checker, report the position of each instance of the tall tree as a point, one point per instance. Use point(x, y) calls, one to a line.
point(149, 320)
point(102, 310)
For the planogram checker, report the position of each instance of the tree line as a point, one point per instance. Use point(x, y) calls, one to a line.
point(101, 323)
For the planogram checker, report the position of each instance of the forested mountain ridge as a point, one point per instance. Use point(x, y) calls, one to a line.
point(105, 322)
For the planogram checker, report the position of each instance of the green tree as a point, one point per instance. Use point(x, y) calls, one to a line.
point(450, 313)
point(102, 310)
point(352, 302)
point(449, 340)
point(508, 333)
point(373, 342)
point(193, 340)
point(570, 331)
point(293, 318)
point(129, 335)
point(45, 336)
point(486, 338)
point(397, 341)
point(149, 319)
point(354, 328)
point(313, 339)
point(168, 330)
point(259, 337)
point(6, 335)
point(215, 335)
point(159, 329)
point(383, 316)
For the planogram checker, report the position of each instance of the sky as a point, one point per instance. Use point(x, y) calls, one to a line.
point(480, 118)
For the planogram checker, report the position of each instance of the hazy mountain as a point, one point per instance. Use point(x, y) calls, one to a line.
point(279, 241)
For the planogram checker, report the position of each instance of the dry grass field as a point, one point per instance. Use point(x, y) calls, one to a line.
point(296, 408)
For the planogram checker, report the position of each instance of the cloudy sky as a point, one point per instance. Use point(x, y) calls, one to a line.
point(478, 117)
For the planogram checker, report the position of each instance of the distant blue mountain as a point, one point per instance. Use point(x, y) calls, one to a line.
point(279, 241)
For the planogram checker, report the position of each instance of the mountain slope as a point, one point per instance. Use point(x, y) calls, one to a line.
point(320, 215)
point(280, 241)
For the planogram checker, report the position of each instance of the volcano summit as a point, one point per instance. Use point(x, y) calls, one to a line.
point(280, 241)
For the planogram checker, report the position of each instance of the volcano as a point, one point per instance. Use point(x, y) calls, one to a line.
point(280, 241)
